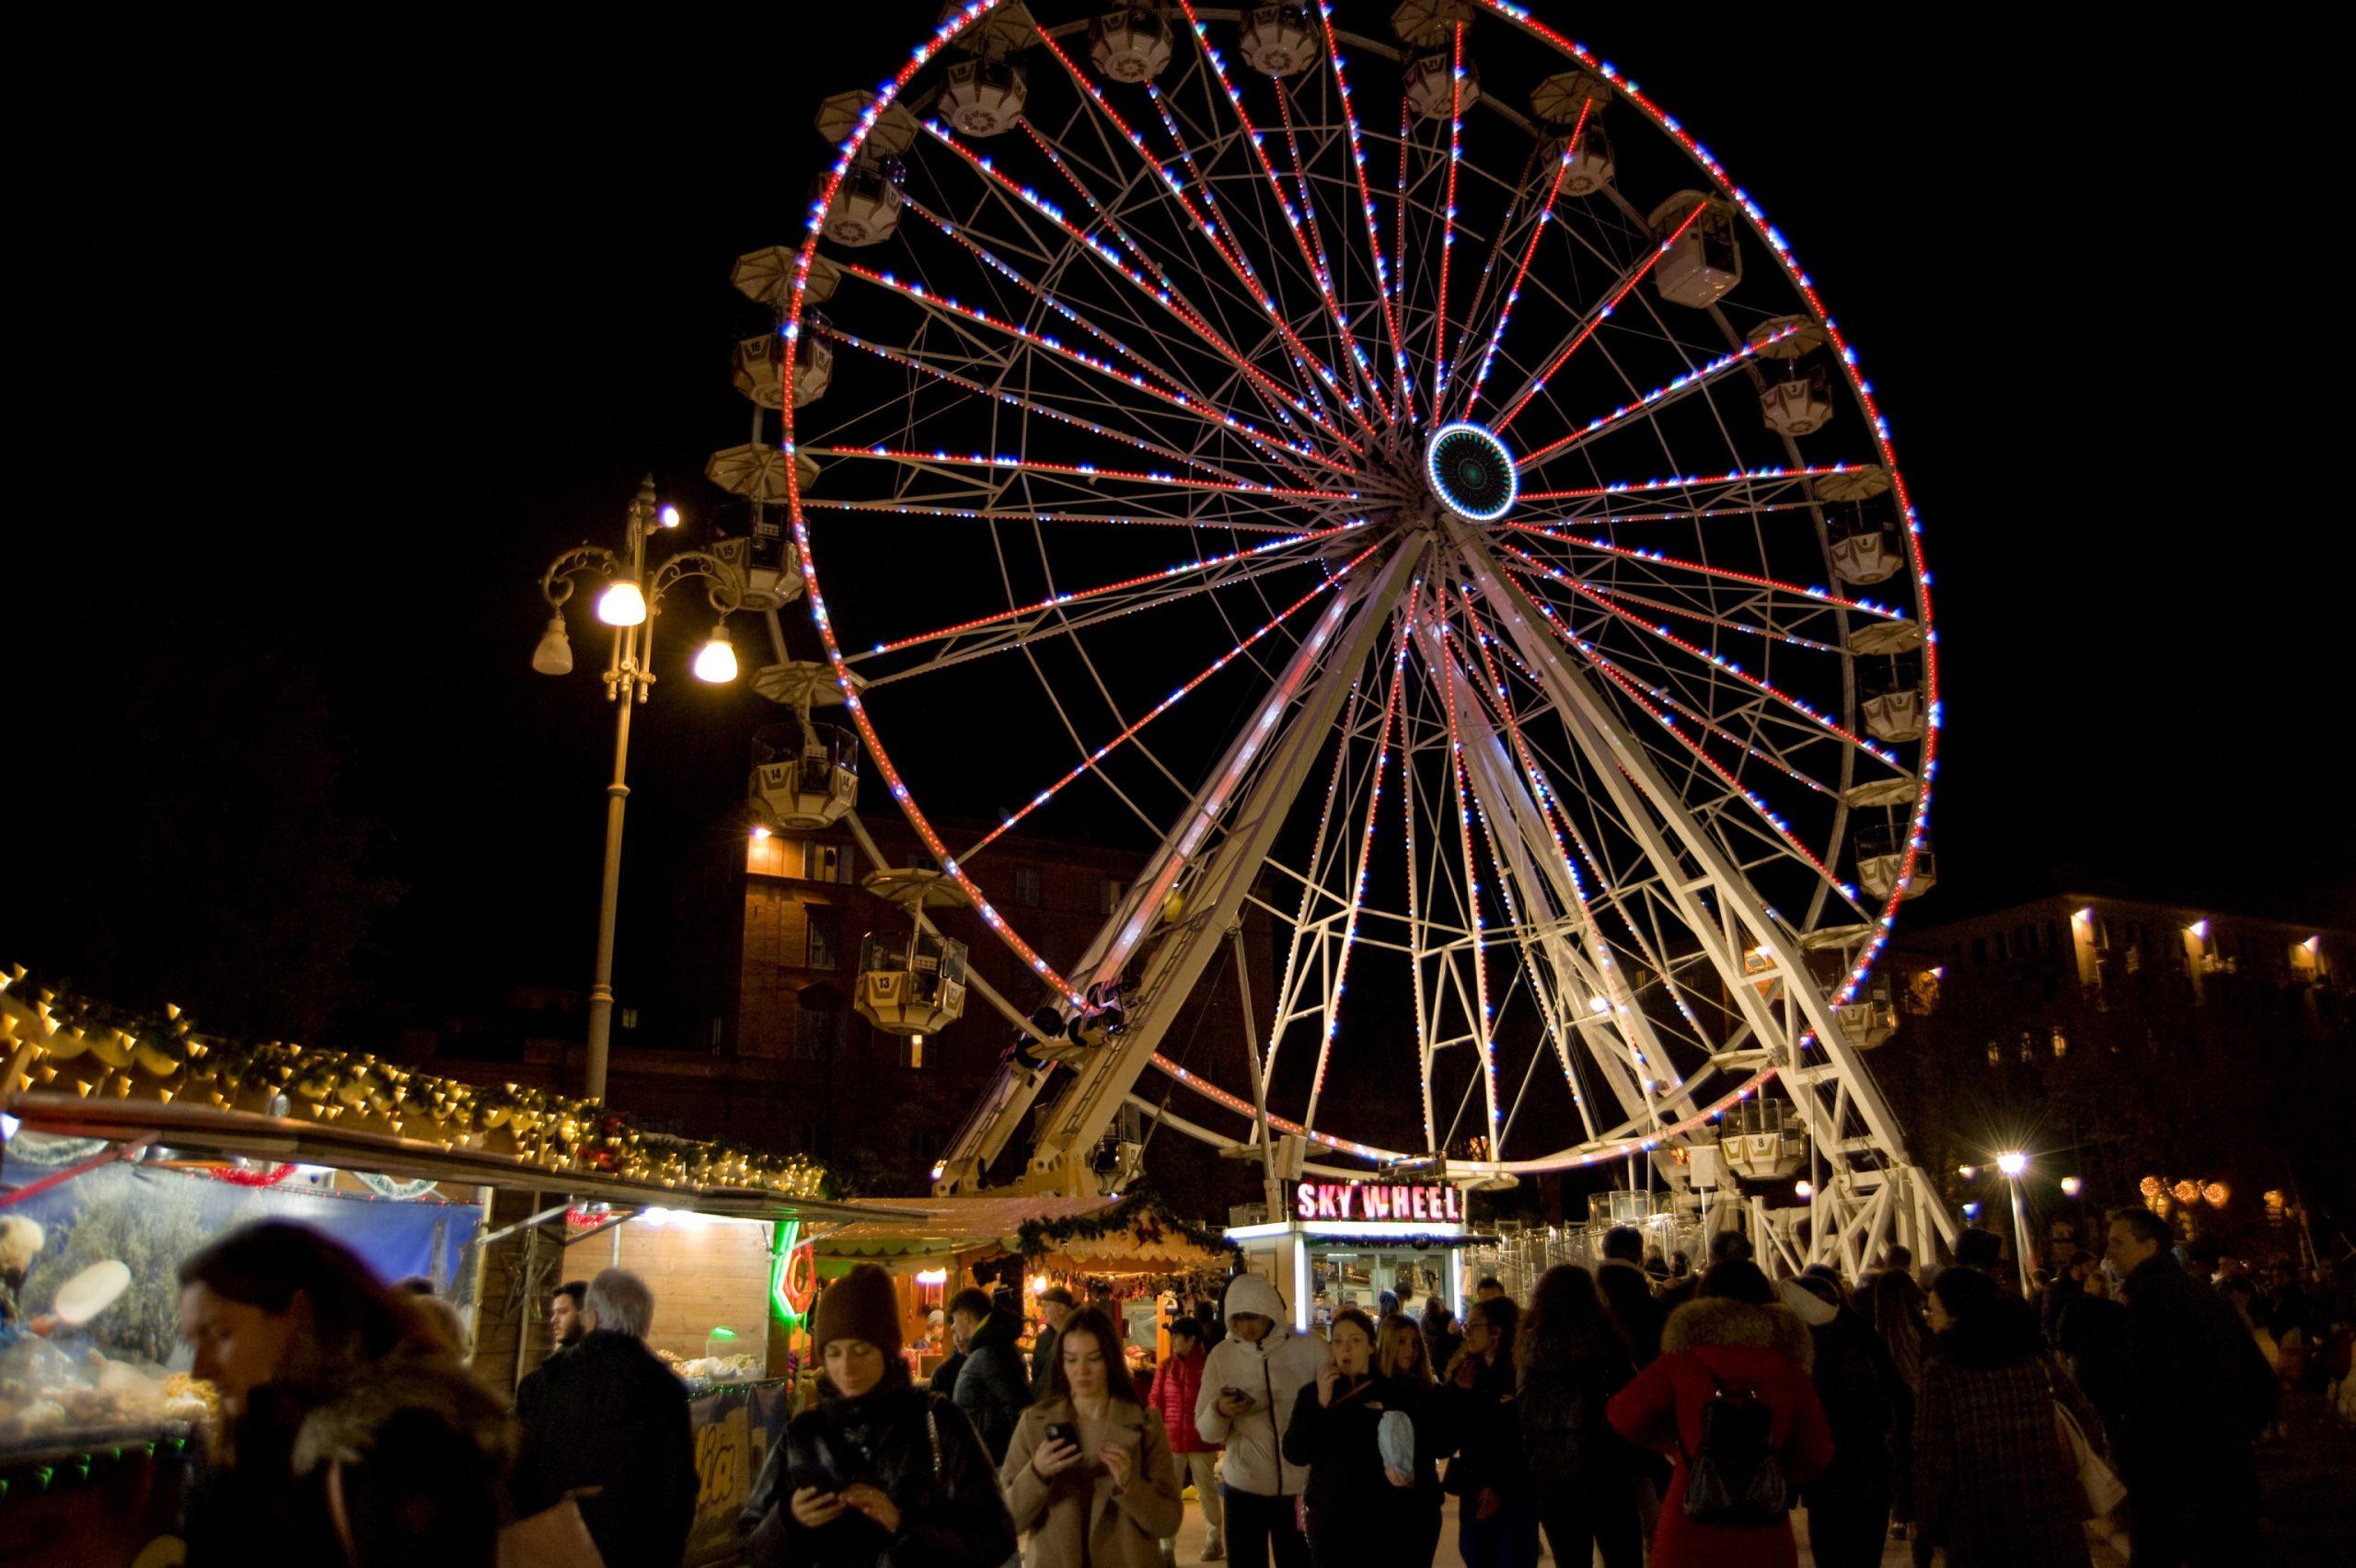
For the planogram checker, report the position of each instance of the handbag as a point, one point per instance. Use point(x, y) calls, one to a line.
point(2099, 1483)
point(553, 1538)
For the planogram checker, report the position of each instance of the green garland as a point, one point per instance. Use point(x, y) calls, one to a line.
point(67, 1043)
point(1141, 1212)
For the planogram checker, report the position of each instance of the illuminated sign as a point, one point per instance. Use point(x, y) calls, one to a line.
point(1429, 1203)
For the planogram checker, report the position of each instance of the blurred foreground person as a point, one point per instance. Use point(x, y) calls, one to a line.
point(349, 1431)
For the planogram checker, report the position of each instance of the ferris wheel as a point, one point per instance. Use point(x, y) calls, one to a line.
point(1404, 474)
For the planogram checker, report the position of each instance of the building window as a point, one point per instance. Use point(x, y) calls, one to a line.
point(1108, 894)
point(1026, 886)
point(1979, 950)
point(917, 860)
point(825, 862)
point(816, 1032)
point(819, 946)
point(912, 1051)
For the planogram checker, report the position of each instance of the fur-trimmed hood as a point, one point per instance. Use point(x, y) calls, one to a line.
point(347, 1427)
point(1711, 1319)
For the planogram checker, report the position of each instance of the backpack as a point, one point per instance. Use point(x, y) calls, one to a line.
point(1737, 1477)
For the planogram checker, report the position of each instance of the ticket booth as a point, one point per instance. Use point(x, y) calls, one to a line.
point(1349, 1242)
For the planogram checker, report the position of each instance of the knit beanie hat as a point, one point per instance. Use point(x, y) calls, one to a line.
point(861, 1305)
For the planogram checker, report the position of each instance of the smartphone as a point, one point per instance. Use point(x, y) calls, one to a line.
point(1062, 1432)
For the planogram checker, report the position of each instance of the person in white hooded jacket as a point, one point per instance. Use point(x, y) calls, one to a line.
point(1250, 1382)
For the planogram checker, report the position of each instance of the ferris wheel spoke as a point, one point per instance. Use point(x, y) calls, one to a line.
point(1027, 405)
point(1661, 397)
point(1448, 236)
point(1594, 319)
point(1206, 220)
point(1097, 756)
point(1170, 298)
point(1030, 198)
point(1303, 223)
point(1209, 567)
point(1756, 486)
point(1382, 272)
point(1785, 838)
point(1513, 291)
point(1168, 385)
point(1127, 381)
point(1331, 264)
point(1061, 625)
point(1718, 662)
point(1221, 233)
point(1094, 478)
point(1809, 598)
point(1025, 514)
point(1621, 598)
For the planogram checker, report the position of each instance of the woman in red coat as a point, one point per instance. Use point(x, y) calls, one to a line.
point(1176, 1385)
point(1732, 1336)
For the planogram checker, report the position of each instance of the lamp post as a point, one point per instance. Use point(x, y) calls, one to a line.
point(628, 603)
point(2012, 1165)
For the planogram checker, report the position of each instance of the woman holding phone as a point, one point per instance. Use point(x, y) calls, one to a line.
point(878, 1469)
point(1370, 1469)
point(1089, 1474)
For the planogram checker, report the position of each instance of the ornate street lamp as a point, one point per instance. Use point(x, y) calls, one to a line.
point(628, 603)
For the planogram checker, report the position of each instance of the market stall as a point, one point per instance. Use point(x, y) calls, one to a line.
point(1132, 1250)
point(131, 1142)
point(1344, 1243)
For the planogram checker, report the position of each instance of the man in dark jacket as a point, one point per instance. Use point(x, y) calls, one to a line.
point(608, 1415)
point(1628, 1291)
point(2195, 1392)
point(990, 1387)
point(1054, 1306)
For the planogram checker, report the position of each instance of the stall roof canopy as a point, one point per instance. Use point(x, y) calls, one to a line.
point(72, 1065)
point(1099, 1236)
point(203, 1129)
point(946, 1225)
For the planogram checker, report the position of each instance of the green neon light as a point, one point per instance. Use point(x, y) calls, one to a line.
point(722, 1333)
point(782, 1241)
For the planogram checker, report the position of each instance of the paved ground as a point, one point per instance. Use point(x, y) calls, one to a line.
point(2108, 1552)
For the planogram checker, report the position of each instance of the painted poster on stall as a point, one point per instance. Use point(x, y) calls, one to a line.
point(149, 1220)
point(734, 1429)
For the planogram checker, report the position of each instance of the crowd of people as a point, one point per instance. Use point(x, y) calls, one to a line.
point(1633, 1412)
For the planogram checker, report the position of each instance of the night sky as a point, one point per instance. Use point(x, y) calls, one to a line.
point(334, 340)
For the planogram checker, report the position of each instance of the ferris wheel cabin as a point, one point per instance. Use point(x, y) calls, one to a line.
point(1572, 101)
point(911, 985)
point(1704, 262)
point(804, 775)
point(1279, 41)
point(1130, 46)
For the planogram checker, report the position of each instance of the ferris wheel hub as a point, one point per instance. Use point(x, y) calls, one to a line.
point(1471, 472)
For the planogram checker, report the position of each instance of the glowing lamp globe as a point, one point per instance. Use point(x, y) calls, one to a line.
point(716, 660)
point(622, 605)
point(554, 655)
point(2071, 1186)
point(2011, 1164)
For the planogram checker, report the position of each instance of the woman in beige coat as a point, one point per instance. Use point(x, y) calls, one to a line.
point(1089, 1475)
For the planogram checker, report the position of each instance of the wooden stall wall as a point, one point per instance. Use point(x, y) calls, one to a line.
point(704, 1273)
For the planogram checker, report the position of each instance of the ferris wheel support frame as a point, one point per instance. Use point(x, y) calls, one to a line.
point(1859, 1197)
point(1313, 687)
